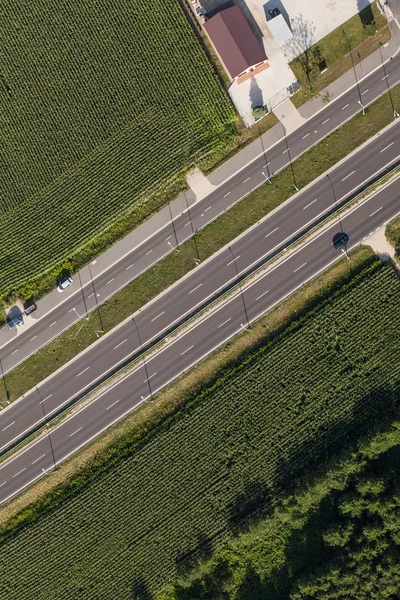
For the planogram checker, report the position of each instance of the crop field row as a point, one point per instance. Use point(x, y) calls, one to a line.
point(99, 107)
point(234, 446)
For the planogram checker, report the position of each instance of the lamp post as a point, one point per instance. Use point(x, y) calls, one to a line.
point(144, 362)
point(4, 382)
point(47, 427)
point(197, 260)
point(241, 291)
point(355, 72)
point(265, 156)
point(336, 203)
point(395, 113)
point(173, 227)
point(290, 158)
point(83, 297)
point(95, 297)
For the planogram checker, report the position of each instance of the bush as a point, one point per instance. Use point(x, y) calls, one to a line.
point(259, 112)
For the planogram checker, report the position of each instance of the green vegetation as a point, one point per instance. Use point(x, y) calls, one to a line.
point(181, 488)
point(329, 58)
point(102, 109)
point(337, 537)
point(393, 234)
point(229, 225)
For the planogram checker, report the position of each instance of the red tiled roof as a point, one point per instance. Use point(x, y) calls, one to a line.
point(234, 40)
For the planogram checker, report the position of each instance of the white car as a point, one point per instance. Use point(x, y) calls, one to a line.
point(64, 284)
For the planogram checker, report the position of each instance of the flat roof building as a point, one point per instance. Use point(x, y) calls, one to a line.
point(235, 44)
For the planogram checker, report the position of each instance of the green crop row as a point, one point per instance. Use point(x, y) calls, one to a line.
point(233, 446)
point(100, 109)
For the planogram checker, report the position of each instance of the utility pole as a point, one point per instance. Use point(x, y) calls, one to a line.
point(265, 156)
point(355, 72)
point(173, 227)
point(144, 362)
point(95, 297)
point(241, 291)
point(197, 260)
point(395, 113)
point(83, 297)
point(336, 203)
point(47, 427)
point(290, 159)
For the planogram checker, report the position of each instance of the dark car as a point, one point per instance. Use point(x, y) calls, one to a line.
point(339, 240)
point(15, 321)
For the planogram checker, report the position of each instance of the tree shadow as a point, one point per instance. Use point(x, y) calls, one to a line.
point(301, 43)
point(250, 505)
point(187, 559)
point(140, 590)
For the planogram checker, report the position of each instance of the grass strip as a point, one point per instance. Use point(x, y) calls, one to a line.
point(393, 234)
point(254, 433)
point(220, 232)
point(330, 58)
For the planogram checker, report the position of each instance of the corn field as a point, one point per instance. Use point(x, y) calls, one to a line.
point(101, 104)
point(286, 408)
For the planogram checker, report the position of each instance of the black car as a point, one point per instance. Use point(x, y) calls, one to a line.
point(339, 240)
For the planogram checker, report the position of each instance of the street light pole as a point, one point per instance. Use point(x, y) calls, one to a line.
point(47, 427)
point(265, 156)
point(290, 159)
point(197, 260)
point(173, 226)
point(95, 297)
point(83, 296)
point(336, 203)
point(355, 72)
point(4, 382)
point(144, 361)
point(241, 291)
point(395, 113)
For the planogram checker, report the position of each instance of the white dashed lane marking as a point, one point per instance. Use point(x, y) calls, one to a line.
point(298, 268)
point(161, 313)
point(113, 404)
point(74, 432)
point(8, 426)
point(349, 175)
point(375, 211)
point(184, 352)
point(84, 371)
point(225, 322)
point(120, 344)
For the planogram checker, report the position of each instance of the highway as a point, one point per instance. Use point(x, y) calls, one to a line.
point(213, 330)
point(202, 284)
point(18, 344)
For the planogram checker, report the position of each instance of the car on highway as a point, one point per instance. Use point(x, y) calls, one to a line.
point(339, 240)
point(64, 284)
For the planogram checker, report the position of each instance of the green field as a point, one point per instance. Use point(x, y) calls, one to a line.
point(336, 538)
point(100, 105)
point(187, 487)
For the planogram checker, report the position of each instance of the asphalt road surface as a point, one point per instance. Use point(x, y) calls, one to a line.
point(24, 343)
point(193, 291)
point(190, 348)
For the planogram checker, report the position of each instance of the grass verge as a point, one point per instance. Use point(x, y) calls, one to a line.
point(254, 434)
point(330, 58)
point(393, 234)
point(209, 240)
